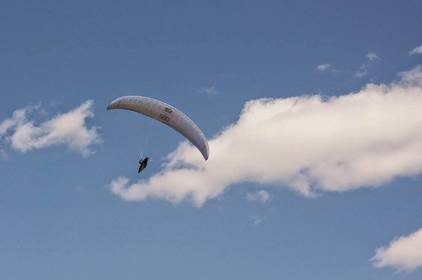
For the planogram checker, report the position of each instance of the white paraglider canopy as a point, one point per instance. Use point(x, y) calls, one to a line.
point(166, 114)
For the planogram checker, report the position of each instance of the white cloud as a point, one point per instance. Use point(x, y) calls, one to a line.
point(307, 143)
point(403, 254)
point(68, 129)
point(209, 91)
point(262, 196)
point(257, 220)
point(323, 67)
point(372, 56)
point(417, 50)
point(18, 117)
point(363, 69)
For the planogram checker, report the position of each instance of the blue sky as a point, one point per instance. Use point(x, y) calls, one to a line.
point(58, 217)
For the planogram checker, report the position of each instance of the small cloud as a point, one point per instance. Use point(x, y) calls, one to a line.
point(323, 67)
point(362, 72)
point(363, 69)
point(257, 220)
point(261, 196)
point(69, 129)
point(403, 253)
point(372, 56)
point(209, 91)
point(417, 50)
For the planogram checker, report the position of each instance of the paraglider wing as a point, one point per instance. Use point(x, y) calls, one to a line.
point(166, 114)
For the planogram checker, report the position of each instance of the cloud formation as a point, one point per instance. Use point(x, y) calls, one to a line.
point(257, 220)
point(372, 56)
point(417, 50)
point(308, 143)
point(403, 254)
point(209, 91)
point(323, 67)
point(363, 69)
point(261, 196)
point(69, 129)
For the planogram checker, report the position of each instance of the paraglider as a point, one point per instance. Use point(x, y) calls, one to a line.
point(167, 114)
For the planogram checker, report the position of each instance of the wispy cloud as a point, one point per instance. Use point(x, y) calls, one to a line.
point(307, 143)
point(362, 72)
point(209, 91)
point(372, 56)
point(257, 220)
point(18, 117)
point(364, 68)
point(403, 253)
point(261, 196)
point(69, 129)
point(323, 67)
point(417, 50)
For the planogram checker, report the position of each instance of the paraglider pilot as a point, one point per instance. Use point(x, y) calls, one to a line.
point(143, 162)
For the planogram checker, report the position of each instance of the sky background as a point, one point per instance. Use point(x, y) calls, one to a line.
point(58, 218)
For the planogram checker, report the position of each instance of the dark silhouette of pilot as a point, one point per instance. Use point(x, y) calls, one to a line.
point(142, 164)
